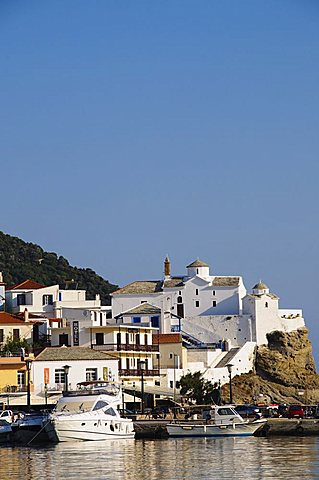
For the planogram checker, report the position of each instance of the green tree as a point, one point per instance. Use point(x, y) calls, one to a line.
point(194, 386)
point(14, 345)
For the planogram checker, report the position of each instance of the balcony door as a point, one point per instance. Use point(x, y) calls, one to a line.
point(99, 338)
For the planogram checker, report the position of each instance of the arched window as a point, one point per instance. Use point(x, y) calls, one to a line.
point(179, 300)
point(266, 304)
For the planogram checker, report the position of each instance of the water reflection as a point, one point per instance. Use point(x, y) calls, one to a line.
point(174, 459)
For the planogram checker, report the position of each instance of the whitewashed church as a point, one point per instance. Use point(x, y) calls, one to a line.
point(208, 311)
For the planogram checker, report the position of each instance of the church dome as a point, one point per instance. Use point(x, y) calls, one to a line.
point(197, 263)
point(260, 286)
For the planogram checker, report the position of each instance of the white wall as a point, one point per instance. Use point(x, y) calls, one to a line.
point(236, 329)
point(77, 371)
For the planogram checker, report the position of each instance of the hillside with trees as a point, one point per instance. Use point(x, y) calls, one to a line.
point(20, 261)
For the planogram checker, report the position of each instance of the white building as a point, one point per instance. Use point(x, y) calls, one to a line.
point(219, 321)
point(48, 372)
point(49, 301)
point(195, 294)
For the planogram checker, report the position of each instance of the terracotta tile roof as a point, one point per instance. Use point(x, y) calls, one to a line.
point(26, 285)
point(226, 281)
point(167, 338)
point(71, 353)
point(10, 319)
point(148, 286)
point(143, 308)
point(11, 361)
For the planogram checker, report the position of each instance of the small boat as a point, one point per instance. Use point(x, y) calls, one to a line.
point(89, 413)
point(219, 421)
point(30, 428)
point(5, 431)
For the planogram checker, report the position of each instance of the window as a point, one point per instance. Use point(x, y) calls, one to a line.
point(101, 319)
point(171, 384)
point(21, 378)
point(197, 270)
point(143, 301)
point(59, 375)
point(21, 299)
point(1, 335)
point(155, 321)
point(136, 319)
point(157, 383)
point(197, 303)
point(145, 339)
point(110, 411)
point(91, 374)
point(100, 404)
point(16, 334)
point(171, 355)
point(60, 297)
point(196, 291)
point(47, 299)
point(179, 300)
point(225, 411)
point(214, 303)
point(266, 304)
point(214, 293)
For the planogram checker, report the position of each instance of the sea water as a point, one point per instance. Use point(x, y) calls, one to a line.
point(173, 459)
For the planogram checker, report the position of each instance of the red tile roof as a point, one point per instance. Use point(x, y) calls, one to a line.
point(167, 338)
point(26, 285)
point(7, 318)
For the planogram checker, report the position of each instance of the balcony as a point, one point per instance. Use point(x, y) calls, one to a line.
point(125, 347)
point(137, 373)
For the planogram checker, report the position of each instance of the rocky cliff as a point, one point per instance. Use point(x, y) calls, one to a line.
point(285, 372)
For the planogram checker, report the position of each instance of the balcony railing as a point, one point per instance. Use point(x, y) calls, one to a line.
point(137, 373)
point(15, 388)
point(125, 347)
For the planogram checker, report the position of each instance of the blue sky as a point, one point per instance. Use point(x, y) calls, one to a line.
point(130, 130)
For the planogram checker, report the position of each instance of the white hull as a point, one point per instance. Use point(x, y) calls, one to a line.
point(207, 430)
point(93, 430)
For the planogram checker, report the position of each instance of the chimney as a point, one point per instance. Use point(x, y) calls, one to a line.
point(167, 268)
point(26, 315)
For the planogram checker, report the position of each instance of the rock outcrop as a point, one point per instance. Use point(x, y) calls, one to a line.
point(285, 372)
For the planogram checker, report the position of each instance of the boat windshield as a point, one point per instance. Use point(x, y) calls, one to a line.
point(74, 406)
point(226, 411)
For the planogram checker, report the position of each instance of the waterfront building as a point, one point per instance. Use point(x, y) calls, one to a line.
point(85, 364)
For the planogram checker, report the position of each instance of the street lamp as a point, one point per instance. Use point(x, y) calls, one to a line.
point(28, 366)
point(46, 393)
point(66, 369)
point(123, 396)
point(175, 357)
point(134, 398)
point(142, 368)
point(230, 368)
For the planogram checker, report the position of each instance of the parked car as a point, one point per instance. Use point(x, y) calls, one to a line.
point(295, 411)
point(247, 410)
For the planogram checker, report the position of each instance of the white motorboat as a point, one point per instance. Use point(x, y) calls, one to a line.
point(220, 421)
point(89, 413)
